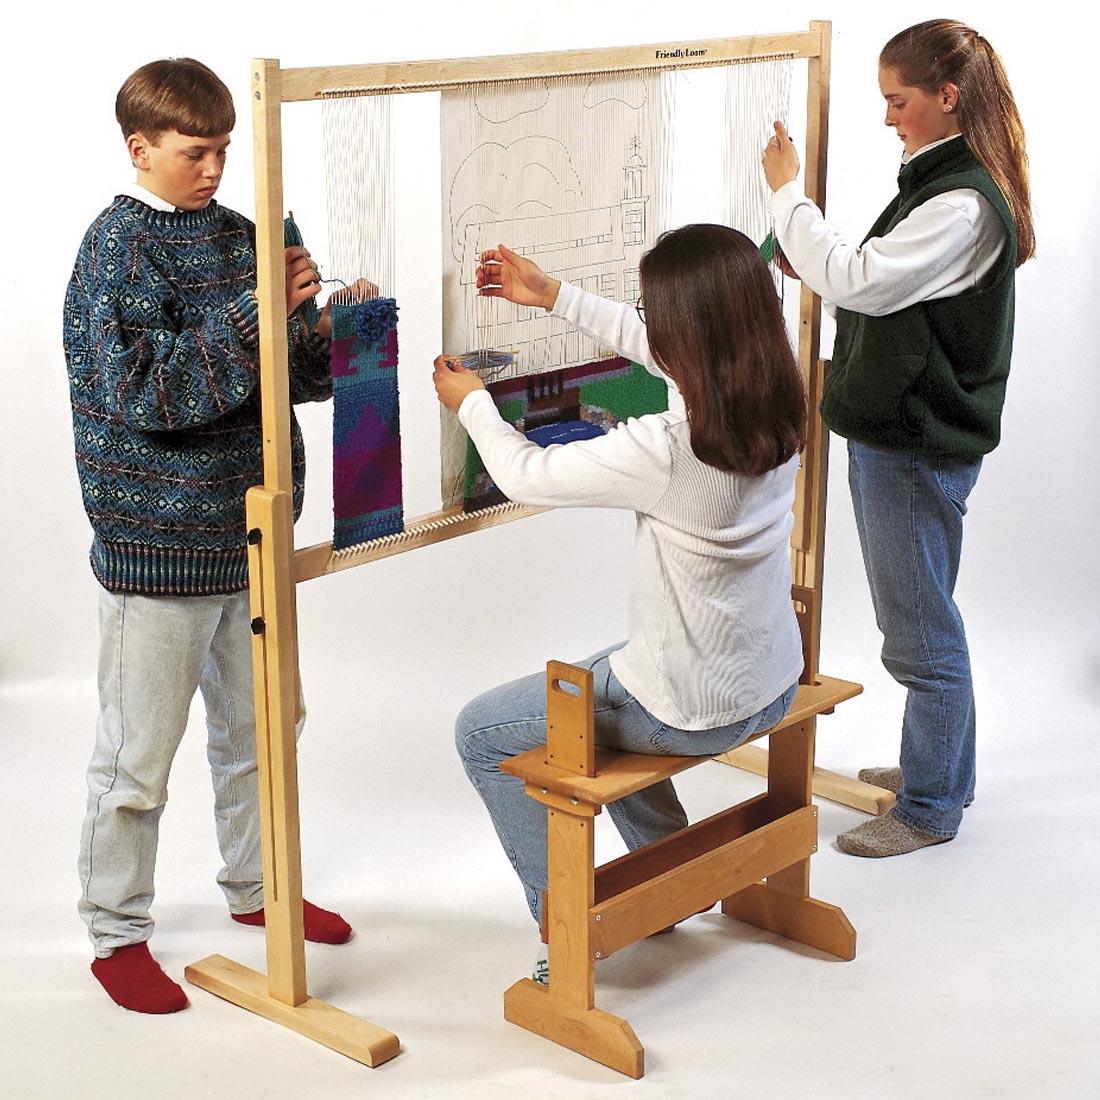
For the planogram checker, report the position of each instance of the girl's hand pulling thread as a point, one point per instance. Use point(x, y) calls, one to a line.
point(780, 158)
point(503, 273)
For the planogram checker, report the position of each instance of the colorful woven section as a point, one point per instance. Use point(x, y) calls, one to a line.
point(562, 406)
point(366, 439)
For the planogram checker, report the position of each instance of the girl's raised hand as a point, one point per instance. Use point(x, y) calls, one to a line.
point(780, 158)
point(453, 382)
point(504, 274)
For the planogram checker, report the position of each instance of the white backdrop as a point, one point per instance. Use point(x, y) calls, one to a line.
point(1033, 528)
point(988, 927)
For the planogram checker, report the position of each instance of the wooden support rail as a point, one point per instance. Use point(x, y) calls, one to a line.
point(826, 784)
point(655, 859)
point(425, 76)
point(321, 559)
point(697, 883)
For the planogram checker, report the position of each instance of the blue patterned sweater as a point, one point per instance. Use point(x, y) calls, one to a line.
point(161, 344)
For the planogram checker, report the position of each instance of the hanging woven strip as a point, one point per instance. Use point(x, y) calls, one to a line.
point(366, 440)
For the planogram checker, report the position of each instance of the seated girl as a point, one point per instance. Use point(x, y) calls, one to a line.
point(714, 652)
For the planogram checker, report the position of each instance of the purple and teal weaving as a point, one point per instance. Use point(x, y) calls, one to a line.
point(366, 439)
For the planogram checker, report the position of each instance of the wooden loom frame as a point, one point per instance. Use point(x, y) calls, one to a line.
point(275, 566)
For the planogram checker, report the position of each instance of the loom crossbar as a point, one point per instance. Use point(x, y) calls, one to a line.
point(306, 84)
point(322, 559)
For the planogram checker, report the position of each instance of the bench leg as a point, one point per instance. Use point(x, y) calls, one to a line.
point(784, 905)
point(804, 920)
point(565, 1010)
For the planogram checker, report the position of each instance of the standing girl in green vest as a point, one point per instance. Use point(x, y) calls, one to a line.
point(924, 311)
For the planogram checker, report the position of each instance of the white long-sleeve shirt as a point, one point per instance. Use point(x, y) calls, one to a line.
point(713, 638)
point(944, 247)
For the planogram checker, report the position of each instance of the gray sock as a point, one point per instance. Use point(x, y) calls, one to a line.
point(885, 836)
point(889, 779)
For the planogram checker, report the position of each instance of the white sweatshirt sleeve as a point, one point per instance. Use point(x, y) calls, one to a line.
point(944, 247)
point(629, 467)
point(612, 323)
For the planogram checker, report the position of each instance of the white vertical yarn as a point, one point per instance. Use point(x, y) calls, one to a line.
point(757, 94)
point(359, 189)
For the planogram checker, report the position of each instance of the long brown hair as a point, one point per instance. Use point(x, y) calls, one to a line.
point(945, 51)
point(715, 324)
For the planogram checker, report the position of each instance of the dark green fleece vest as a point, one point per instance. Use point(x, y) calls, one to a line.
point(929, 378)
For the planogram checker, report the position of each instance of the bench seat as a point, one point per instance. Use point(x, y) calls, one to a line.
point(621, 773)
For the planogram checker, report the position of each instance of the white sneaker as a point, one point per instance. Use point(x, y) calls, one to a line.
point(541, 971)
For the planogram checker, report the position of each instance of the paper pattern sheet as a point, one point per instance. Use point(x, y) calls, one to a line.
point(565, 171)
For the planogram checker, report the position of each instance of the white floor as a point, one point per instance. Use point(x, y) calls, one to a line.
point(976, 974)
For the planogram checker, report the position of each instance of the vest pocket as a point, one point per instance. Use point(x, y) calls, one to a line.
point(869, 397)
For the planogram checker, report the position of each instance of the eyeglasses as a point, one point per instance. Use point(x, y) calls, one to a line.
point(640, 309)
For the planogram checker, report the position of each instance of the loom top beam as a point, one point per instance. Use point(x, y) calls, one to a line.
point(307, 84)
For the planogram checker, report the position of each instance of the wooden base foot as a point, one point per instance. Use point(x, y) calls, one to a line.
point(828, 785)
point(804, 920)
point(604, 1038)
point(333, 1028)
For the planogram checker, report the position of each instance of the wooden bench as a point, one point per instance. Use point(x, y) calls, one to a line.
point(754, 858)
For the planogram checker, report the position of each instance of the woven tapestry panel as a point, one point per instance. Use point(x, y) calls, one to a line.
point(366, 433)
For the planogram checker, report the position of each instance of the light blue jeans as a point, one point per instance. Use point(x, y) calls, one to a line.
point(909, 511)
point(155, 651)
point(511, 719)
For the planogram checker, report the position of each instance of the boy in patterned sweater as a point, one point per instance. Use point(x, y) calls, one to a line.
point(160, 338)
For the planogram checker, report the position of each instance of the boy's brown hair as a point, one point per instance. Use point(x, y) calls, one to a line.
point(176, 93)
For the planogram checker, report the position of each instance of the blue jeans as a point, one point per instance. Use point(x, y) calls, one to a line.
point(511, 719)
point(154, 653)
point(909, 510)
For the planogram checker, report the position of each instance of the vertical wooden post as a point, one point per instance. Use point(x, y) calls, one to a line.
point(571, 878)
point(564, 1011)
point(570, 722)
point(810, 518)
point(271, 275)
point(808, 534)
point(277, 690)
point(271, 588)
point(790, 775)
point(784, 905)
point(282, 995)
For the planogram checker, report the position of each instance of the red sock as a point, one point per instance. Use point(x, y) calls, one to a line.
point(321, 926)
point(133, 979)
